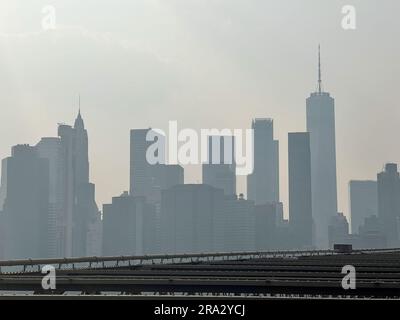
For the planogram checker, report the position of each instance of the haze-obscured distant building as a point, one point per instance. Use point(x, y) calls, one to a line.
point(266, 226)
point(3, 182)
point(26, 210)
point(3, 190)
point(142, 175)
point(80, 212)
point(363, 202)
point(52, 150)
point(147, 179)
point(389, 203)
point(338, 230)
point(321, 126)
point(220, 169)
point(188, 218)
point(371, 234)
point(128, 226)
point(263, 183)
point(2, 236)
point(234, 229)
point(300, 202)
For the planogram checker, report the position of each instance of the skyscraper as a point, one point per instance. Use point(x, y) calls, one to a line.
point(300, 203)
point(3, 182)
point(371, 235)
point(142, 172)
point(2, 236)
point(189, 214)
point(81, 213)
point(51, 149)
point(338, 230)
point(148, 179)
point(363, 202)
point(321, 126)
point(220, 169)
point(66, 134)
point(81, 152)
point(73, 221)
point(234, 229)
point(140, 179)
point(267, 218)
point(167, 176)
point(86, 222)
point(26, 204)
point(128, 226)
point(263, 183)
point(389, 203)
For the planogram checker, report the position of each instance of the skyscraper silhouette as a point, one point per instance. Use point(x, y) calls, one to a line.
point(142, 172)
point(128, 226)
point(189, 213)
point(220, 170)
point(263, 183)
point(363, 202)
point(389, 203)
point(267, 218)
point(234, 229)
point(3, 182)
point(51, 149)
point(338, 230)
point(81, 152)
point(321, 126)
point(300, 202)
point(2, 236)
point(26, 204)
point(69, 222)
point(81, 212)
point(148, 179)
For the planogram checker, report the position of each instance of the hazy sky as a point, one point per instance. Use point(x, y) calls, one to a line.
point(205, 63)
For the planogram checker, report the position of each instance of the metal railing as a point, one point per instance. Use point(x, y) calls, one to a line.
point(35, 265)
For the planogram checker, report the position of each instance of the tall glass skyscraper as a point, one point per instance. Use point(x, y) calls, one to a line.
point(82, 218)
point(321, 125)
point(300, 201)
point(389, 203)
point(263, 183)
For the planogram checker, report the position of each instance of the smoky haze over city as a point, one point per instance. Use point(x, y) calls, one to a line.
point(171, 127)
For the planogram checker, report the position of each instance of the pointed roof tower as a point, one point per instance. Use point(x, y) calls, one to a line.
point(79, 121)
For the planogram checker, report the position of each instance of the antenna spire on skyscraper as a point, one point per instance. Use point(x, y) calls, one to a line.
point(79, 120)
point(319, 70)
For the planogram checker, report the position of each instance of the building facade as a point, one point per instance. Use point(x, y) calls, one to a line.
point(189, 214)
point(363, 202)
point(220, 169)
point(128, 226)
point(26, 207)
point(263, 183)
point(321, 126)
point(300, 201)
point(389, 203)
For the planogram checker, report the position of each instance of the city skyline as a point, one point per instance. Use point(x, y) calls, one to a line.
point(160, 208)
point(200, 157)
point(241, 188)
point(258, 76)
